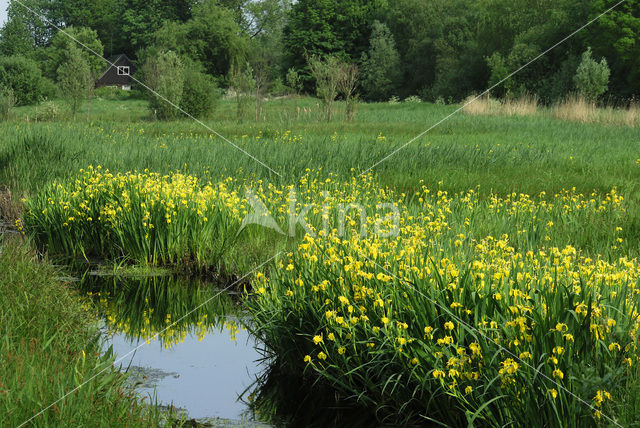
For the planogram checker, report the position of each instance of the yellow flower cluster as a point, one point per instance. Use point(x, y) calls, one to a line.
point(441, 300)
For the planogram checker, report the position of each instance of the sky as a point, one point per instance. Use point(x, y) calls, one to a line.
point(3, 11)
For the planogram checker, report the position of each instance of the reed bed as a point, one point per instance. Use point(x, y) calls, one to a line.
point(525, 105)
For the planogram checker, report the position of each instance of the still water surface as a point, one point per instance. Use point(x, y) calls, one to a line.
point(202, 364)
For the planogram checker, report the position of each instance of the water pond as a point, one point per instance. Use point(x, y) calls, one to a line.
point(183, 343)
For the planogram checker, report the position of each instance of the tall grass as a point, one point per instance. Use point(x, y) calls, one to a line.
point(493, 152)
point(525, 105)
point(49, 345)
point(575, 108)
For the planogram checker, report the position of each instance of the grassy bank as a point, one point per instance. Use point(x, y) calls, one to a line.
point(49, 345)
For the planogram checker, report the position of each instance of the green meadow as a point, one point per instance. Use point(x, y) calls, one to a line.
point(487, 205)
point(526, 154)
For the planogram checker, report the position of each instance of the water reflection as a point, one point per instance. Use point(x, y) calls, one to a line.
point(196, 355)
point(201, 364)
point(165, 308)
point(285, 399)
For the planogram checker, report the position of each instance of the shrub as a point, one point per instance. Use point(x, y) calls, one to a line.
point(394, 100)
point(592, 78)
point(347, 84)
point(413, 99)
point(48, 89)
point(23, 76)
point(199, 93)
point(327, 75)
point(46, 111)
point(164, 74)
point(294, 82)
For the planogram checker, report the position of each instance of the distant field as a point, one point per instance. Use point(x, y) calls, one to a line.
point(499, 154)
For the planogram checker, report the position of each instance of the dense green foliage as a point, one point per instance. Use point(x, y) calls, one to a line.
point(75, 78)
point(164, 74)
point(57, 53)
point(438, 50)
point(381, 66)
point(210, 37)
point(23, 76)
point(199, 93)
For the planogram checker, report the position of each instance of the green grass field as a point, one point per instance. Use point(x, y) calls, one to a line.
point(500, 154)
point(503, 221)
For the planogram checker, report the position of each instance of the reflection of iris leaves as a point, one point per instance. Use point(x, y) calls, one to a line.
point(142, 306)
point(284, 399)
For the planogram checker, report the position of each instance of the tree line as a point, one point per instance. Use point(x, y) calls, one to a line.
point(439, 50)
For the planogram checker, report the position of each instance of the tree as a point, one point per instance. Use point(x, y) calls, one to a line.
point(211, 37)
point(347, 83)
point(327, 74)
point(243, 83)
point(63, 42)
point(75, 79)
point(381, 66)
point(258, 17)
point(142, 18)
point(24, 78)
point(326, 27)
point(40, 31)
point(499, 71)
point(164, 74)
point(15, 38)
point(592, 78)
point(104, 17)
point(615, 36)
point(435, 42)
